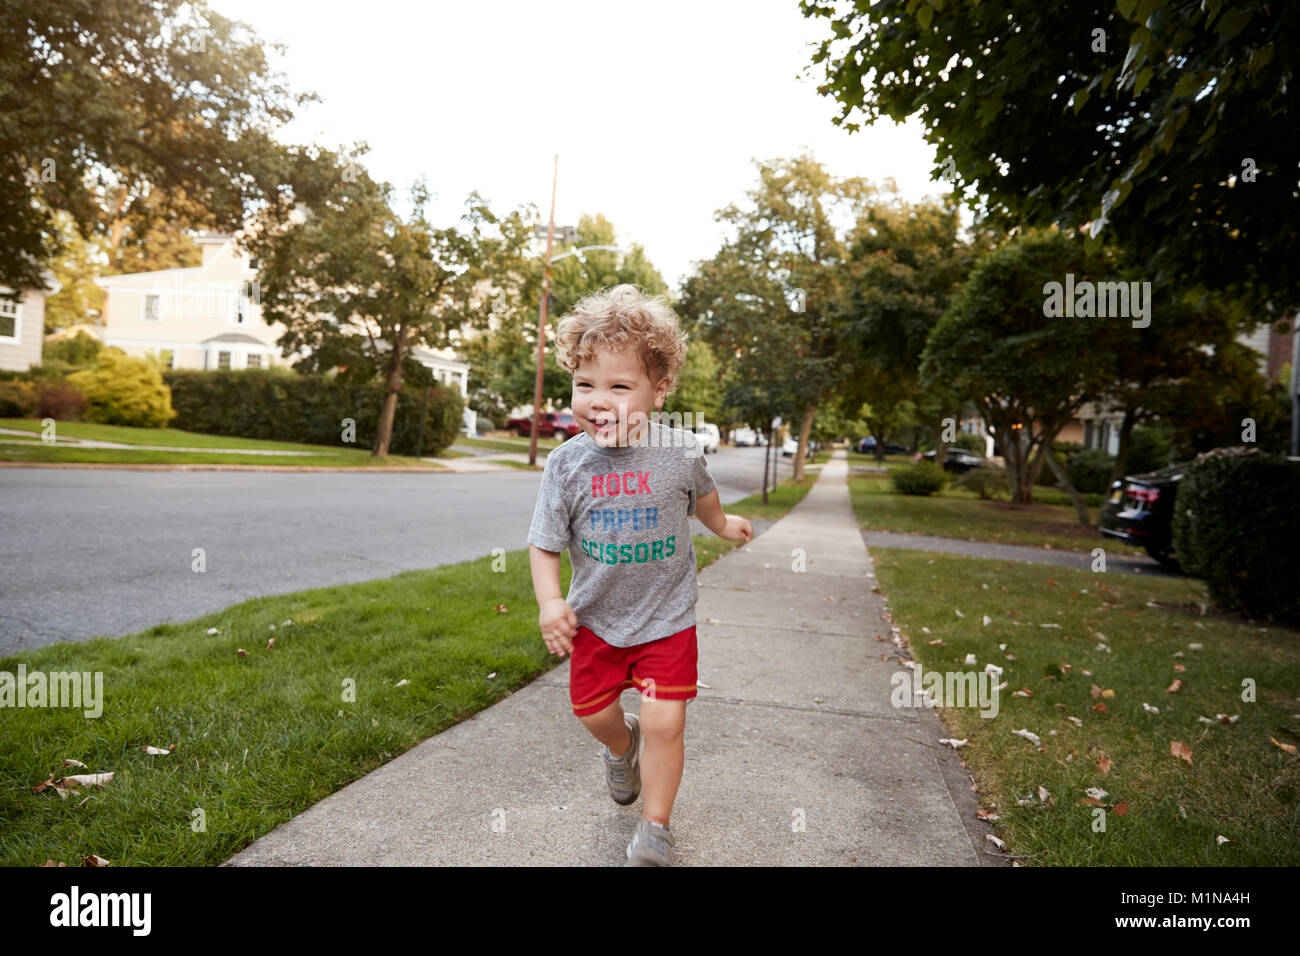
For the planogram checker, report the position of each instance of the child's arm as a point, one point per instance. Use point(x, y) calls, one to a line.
point(556, 619)
point(732, 527)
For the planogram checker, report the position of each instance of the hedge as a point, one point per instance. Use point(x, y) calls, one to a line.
point(1237, 527)
point(280, 404)
point(923, 478)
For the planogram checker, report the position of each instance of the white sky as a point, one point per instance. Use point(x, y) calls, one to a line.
point(656, 110)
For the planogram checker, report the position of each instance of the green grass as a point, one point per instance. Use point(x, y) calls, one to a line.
point(259, 739)
point(1238, 785)
point(780, 500)
point(956, 513)
point(515, 464)
point(507, 444)
point(323, 456)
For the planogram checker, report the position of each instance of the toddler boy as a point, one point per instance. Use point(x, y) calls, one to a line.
point(618, 497)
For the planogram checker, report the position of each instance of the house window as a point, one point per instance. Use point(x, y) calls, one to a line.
point(10, 314)
point(152, 306)
point(171, 359)
point(252, 264)
point(253, 361)
point(241, 310)
point(223, 360)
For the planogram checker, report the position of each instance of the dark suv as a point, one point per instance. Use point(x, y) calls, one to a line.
point(1140, 510)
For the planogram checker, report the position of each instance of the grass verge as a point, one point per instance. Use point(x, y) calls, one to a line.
point(956, 513)
point(1158, 808)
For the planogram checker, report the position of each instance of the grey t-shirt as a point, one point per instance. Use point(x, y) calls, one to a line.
point(622, 513)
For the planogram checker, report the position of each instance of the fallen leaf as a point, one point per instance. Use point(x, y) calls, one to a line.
point(154, 750)
point(1097, 793)
point(1099, 707)
point(1180, 750)
point(1174, 687)
point(1179, 668)
point(499, 607)
point(1108, 693)
point(987, 815)
point(937, 642)
point(1149, 709)
point(1104, 763)
point(52, 863)
point(86, 780)
point(241, 652)
point(954, 744)
point(970, 659)
point(959, 613)
point(1196, 647)
point(987, 620)
point(402, 683)
point(270, 644)
point(1029, 735)
point(1023, 692)
point(93, 860)
point(1220, 840)
point(1075, 720)
point(1096, 691)
point(71, 763)
point(995, 841)
point(1121, 808)
point(1289, 748)
point(1043, 794)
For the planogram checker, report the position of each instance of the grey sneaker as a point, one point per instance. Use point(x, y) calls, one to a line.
point(652, 845)
point(624, 774)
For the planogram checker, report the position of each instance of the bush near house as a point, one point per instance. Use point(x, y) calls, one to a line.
point(18, 399)
point(283, 405)
point(121, 390)
point(1090, 470)
point(923, 478)
point(1236, 526)
point(971, 443)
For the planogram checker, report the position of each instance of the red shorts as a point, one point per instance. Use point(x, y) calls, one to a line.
point(598, 672)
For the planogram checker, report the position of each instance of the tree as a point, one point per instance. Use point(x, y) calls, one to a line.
point(778, 279)
point(906, 260)
point(121, 112)
point(1028, 371)
point(1159, 122)
point(505, 358)
point(353, 282)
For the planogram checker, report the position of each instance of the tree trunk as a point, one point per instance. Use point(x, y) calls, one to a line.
point(388, 411)
point(1125, 446)
point(1063, 482)
point(804, 429)
point(879, 450)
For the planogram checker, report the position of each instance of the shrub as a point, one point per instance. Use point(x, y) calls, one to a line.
point(1150, 450)
point(280, 404)
point(922, 478)
point(1236, 526)
point(18, 399)
point(971, 443)
point(121, 390)
point(60, 401)
point(988, 483)
point(1090, 470)
point(79, 351)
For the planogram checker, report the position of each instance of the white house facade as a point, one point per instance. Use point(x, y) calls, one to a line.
point(22, 324)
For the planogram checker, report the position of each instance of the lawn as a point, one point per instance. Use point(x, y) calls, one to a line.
point(21, 448)
point(1114, 644)
point(498, 441)
point(956, 513)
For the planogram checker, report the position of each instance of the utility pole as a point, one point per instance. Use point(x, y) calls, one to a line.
point(541, 321)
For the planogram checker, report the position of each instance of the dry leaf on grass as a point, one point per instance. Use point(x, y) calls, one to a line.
point(1029, 735)
point(1179, 749)
point(995, 841)
point(1174, 687)
point(1289, 748)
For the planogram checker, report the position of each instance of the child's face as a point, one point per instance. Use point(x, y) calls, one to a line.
point(613, 397)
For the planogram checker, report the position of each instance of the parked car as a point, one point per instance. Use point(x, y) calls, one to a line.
point(867, 446)
point(1140, 511)
point(747, 436)
point(709, 436)
point(559, 425)
point(790, 448)
point(958, 460)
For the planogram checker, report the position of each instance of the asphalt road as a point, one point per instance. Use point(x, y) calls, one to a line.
point(91, 552)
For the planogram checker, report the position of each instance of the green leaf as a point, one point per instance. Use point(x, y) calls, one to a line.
point(924, 16)
point(1126, 8)
point(1143, 78)
point(1233, 22)
point(1079, 99)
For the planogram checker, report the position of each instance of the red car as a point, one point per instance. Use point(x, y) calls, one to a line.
point(549, 425)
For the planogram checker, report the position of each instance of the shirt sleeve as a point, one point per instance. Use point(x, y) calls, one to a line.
point(701, 481)
point(550, 527)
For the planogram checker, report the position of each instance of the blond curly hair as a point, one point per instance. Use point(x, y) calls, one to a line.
point(619, 318)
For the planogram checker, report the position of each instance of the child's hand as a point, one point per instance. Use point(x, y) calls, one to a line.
point(559, 624)
point(737, 529)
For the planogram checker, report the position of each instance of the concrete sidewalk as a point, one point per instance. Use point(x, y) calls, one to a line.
point(794, 756)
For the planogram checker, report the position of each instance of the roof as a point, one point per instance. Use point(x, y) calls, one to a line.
point(234, 337)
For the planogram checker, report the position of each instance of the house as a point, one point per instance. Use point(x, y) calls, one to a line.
point(22, 324)
point(209, 316)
